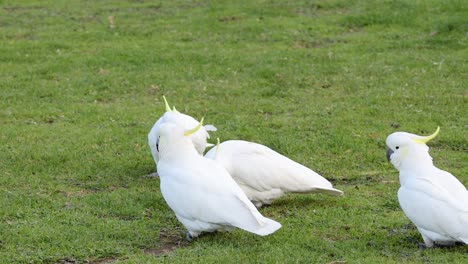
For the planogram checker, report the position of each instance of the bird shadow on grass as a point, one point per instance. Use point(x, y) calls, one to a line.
point(168, 243)
point(303, 200)
point(409, 231)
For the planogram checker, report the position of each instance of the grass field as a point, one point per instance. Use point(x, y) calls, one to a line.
point(322, 82)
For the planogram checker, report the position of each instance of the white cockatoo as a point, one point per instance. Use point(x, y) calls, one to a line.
point(173, 116)
point(200, 191)
point(265, 175)
point(433, 199)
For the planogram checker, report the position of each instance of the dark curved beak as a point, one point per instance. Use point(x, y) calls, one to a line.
point(389, 153)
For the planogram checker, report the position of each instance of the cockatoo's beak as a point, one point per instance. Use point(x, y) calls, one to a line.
point(195, 129)
point(424, 140)
point(168, 109)
point(389, 153)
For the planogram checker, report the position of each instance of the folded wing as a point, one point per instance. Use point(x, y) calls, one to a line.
point(262, 169)
point(212, 197)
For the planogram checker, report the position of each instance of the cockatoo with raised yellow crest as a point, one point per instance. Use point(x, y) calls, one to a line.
point(173, 116)
point(433, 199)
point(200, 191)
point(264, 174)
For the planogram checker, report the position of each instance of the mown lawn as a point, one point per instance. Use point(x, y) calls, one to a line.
point(323, 82)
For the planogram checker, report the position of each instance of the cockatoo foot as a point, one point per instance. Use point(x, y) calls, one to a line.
point(151, 175)
point(415, 241)
point(257, 204)
point(446, 245)
point(423, 246)
point(189, 237)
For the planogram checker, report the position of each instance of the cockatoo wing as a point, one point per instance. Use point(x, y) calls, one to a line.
point(210, 195)
point(450, 183)
point(433, 208)
point(262, 169)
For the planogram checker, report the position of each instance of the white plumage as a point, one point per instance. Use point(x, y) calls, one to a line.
point(265, 175)
point(433, 199)
point(201, 192)
point(173, 116)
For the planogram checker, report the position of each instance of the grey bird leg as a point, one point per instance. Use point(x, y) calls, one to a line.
point(188, 236)
point(420, 245)
point(446, 245)
point(151, 175)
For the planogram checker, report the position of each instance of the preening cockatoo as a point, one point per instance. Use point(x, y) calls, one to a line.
point(265, 175)
point(173, 116)
point(200, 191)
point(433, 199)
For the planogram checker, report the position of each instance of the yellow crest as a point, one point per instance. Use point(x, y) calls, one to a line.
point(424, 140)
point(195, 129)
point(168, 109)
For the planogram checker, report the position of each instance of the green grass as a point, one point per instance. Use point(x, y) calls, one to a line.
point(323, 82)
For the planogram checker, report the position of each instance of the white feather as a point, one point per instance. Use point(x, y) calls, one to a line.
point(198, 138)
point(210, 128)
point(433, 199)
point(265, 175)
point(201, 192)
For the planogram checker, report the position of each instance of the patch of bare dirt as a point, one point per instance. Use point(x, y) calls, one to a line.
point(170, 242)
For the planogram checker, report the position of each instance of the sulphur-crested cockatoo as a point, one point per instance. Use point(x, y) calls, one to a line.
point(265, 175)
point(173, 116)
point(200, 191)
point(433, 199)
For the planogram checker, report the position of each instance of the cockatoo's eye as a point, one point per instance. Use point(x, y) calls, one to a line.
point(397, 147)
point(157, 145)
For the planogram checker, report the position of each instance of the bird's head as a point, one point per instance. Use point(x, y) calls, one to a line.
point(170, 116)
point(402, 146)
point(172, 137)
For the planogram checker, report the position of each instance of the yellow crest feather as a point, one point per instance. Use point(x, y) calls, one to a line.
point(195, 129)
point(168, 108)
point(217, 147)
point(424, 140)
